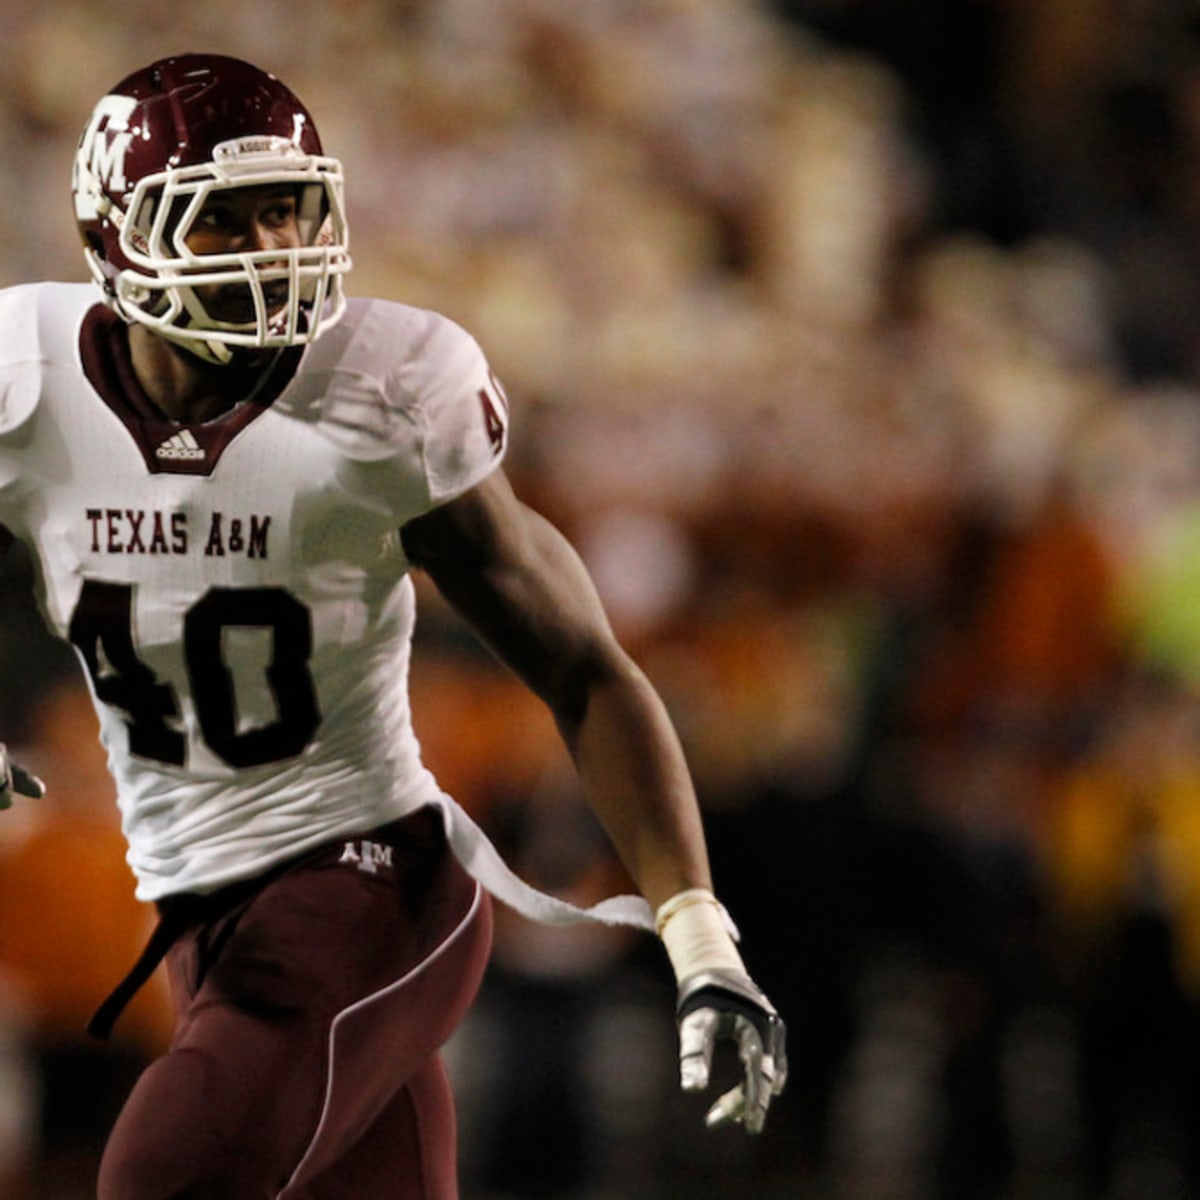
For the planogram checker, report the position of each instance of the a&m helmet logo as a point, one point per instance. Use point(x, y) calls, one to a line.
point(100, 159)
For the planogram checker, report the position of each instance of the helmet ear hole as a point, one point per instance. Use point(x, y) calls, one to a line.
point(95, 243)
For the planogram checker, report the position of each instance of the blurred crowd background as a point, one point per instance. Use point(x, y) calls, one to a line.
point(856, 344)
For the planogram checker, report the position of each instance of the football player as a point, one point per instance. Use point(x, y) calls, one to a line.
point(226, 470)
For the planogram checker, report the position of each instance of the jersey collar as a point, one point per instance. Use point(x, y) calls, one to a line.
point(167, 447)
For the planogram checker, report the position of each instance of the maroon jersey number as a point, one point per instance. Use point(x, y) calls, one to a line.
point(495, 413)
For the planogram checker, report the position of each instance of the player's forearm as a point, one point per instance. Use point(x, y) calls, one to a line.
point(634, 774)
point(633, 768)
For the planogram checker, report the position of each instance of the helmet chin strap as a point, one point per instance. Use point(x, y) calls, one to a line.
point(216, 353)
point(213, 350)
point(208, 351)
point(220, 352)
point(191, 332)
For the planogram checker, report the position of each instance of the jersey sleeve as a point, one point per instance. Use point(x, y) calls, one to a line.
point(461, 412)
point(19, 387)
point(407, 397)
point(20, 356)
point(18, 398)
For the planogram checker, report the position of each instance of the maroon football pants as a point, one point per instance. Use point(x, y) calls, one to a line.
point(304, 1061)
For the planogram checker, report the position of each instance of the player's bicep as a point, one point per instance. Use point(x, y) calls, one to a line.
point(520, 585)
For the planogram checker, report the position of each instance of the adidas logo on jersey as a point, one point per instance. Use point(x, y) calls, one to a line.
point(181, 445)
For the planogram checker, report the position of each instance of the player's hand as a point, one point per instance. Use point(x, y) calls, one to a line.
point(15, 780)
point(726, 1006)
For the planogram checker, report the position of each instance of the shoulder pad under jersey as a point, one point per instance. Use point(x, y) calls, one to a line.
point(370, 380)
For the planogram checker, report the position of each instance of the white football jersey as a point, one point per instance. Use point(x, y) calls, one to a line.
point(237, 590)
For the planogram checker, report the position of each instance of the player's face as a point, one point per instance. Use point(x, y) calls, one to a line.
point(242, 220)
point(250, 218)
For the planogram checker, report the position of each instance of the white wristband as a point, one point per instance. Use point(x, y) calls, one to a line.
point(693, 927)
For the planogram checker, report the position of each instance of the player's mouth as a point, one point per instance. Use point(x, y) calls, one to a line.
point(234, 304)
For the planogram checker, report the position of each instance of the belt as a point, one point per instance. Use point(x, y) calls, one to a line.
point(175, 915)
point(163, 937)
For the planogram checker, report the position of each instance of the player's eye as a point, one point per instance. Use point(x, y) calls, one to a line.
point(214, 218)
point(280, 212)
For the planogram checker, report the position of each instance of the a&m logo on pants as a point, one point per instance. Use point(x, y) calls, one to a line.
point(367, 856)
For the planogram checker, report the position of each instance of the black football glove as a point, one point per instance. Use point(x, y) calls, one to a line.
point(724, 1005)
point(14, 779)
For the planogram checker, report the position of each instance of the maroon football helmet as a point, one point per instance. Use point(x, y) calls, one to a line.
point(155, 150)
